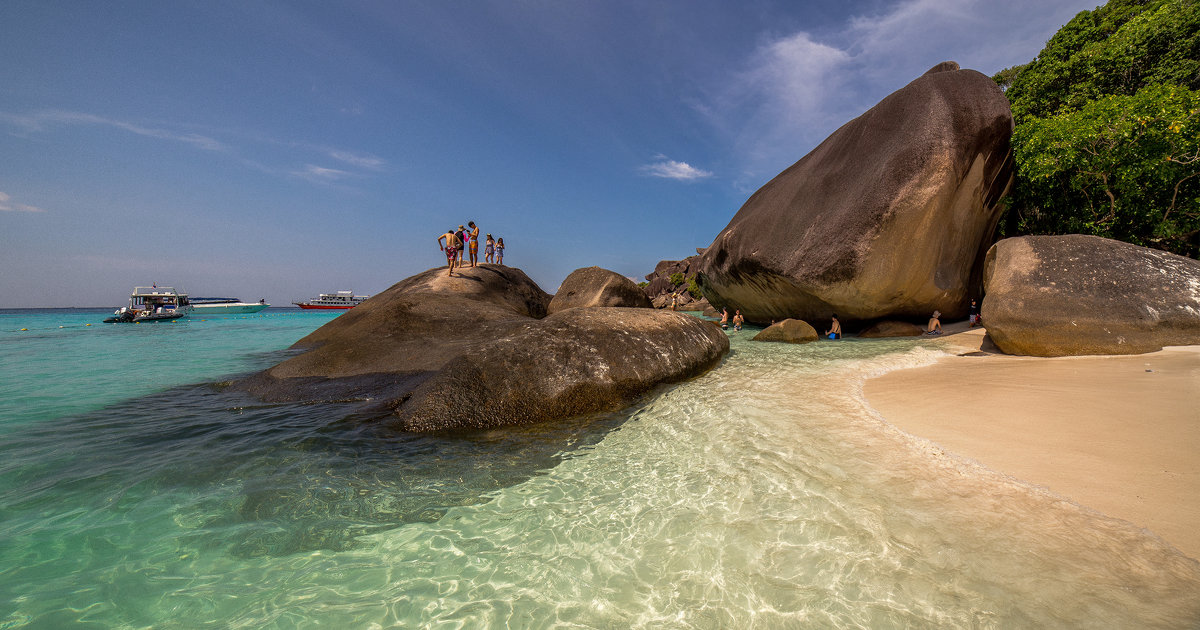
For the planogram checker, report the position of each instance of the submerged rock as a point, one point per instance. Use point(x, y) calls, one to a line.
point(1075, 295)
point(788, 331)
point(889, 328)
point(593, 286)
point(477, 350)
point(889, 216)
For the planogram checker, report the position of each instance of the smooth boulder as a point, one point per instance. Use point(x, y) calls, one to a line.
point(888, 217)
point(592, 287)
point(574, 361)
point(788, 331)
point(477, 350)
point(1077, 295)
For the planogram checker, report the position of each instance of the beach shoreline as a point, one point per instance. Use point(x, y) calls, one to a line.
point(1116, 434)
point(1119, 435)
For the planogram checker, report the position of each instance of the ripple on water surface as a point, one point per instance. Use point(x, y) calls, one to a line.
point(763, 494)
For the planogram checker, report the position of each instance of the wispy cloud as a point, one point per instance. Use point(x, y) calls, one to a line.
point(6, 205)
point(40, 120)
point(670, 169)
point(361, 161)
point(315, 173)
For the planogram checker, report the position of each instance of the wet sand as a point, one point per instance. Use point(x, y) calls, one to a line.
point(1120, 434)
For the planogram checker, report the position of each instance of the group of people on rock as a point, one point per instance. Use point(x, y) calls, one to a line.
point(465, 240)
point(934, 327)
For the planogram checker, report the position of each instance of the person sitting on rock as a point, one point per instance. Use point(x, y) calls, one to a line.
point(835, 328)
point(738, 320)
point(935, 324)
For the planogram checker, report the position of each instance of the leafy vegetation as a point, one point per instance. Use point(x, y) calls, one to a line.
point(1107, 138)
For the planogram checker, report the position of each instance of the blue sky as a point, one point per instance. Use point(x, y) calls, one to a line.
point(282, 149)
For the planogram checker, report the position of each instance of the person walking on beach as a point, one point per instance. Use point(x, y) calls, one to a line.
point(451, 248)
point(489, 250)
point(835, 328)
point(500, 251)
point(473, 245)
point(935, 324)
point(738, 320)
point(973, 314)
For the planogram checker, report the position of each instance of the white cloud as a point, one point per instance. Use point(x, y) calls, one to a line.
point(6, 205)
point(38, 121)
point(362, 161)
point(312, 172)
point(670, 169)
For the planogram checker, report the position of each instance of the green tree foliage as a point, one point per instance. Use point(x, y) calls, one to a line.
point(676, 279)
point(1122, 167)
point(1106, 130)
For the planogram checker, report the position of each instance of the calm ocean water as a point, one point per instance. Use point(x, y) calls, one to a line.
point(135, 492)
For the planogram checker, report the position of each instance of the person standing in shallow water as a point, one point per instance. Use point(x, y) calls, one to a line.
point(835, 329)
point(451, 248)
point(500, 251)
point(473, 247)
point(489, 250)
point(738, 320)
point(724, 317)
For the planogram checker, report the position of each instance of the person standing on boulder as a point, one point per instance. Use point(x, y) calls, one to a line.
point(489, 250)
point(473, 243)
point(451, 248)
point(500, 251)
point(835, 329)
point(461, 233)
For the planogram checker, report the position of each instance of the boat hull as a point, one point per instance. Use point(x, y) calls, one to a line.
point(323, 307)
point(227, 309)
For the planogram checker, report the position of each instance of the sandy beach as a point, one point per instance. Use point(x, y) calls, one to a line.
point(1117, 434)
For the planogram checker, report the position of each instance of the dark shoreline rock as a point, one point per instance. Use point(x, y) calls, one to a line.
point(1077, 295)
point(788, 331)
point(592, 287)
point(888, 217)
point(478, 350)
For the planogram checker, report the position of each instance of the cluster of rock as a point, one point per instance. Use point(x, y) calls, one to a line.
point(888, 218)
point(663, 291)
point(487, 347)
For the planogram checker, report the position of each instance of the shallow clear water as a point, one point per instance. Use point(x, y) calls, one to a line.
point(764, 494)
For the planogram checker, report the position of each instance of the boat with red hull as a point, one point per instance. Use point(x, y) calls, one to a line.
point(334, 301)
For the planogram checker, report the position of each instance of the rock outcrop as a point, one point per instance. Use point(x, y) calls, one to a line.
point(788, 331)
point(1075, 295)
point(889, 216)
point(659, 280)
point(889, 328)
point(477, 350)
point(594, 287)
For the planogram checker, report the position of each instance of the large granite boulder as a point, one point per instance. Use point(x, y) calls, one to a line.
point(889, 216)
point(788, 331)
point(593, 286)
point(423, 333)
point(574, 361)
point(1071, 295)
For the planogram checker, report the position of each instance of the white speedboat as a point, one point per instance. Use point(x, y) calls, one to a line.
point(225, 306)
point(339, 300)
point(152, 304)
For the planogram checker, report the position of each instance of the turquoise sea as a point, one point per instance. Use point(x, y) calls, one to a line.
point(136, 492)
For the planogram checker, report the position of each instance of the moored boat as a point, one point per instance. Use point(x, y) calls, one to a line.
point(339, 300)
point(152, 304)
point(225, 306)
